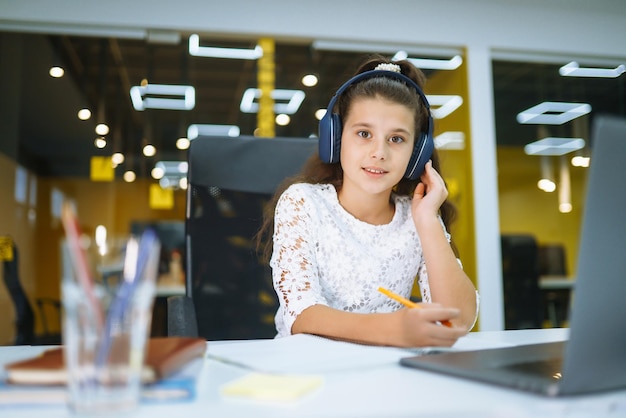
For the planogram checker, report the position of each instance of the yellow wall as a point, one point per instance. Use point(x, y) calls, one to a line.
point(526, 209)
point(15, 222)
point(112, 204)
point(456, 164)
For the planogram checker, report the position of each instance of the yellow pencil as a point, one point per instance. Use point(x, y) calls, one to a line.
point(407, 303)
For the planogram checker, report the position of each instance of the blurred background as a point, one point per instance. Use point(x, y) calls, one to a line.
point(514, 90)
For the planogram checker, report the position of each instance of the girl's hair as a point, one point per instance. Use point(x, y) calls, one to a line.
point(317, 172)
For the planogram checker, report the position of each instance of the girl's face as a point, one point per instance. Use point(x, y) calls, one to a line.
point(376, 144)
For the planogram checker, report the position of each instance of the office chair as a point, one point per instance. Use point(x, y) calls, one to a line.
point(553, 262)
point(520, 280)
point(230, 179)
point(24, 314)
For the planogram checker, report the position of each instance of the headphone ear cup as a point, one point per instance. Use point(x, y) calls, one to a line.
point(329, 138)
point(422, 152)
point(335, 138)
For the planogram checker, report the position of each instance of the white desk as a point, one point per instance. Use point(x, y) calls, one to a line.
point(385, 389)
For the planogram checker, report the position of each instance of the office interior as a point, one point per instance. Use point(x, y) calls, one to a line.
point(487, 63)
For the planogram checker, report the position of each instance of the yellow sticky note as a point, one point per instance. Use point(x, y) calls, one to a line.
point(101, 169)
point(161, 198)
point(6, 249)
point(270, 387)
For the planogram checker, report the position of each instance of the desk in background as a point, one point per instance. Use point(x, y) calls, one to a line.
point(381, 389)
point(558, 292)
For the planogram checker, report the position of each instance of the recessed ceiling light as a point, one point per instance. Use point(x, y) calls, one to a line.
point(282, 119)
point(573, 69)
point(56, 71)
point(182, 143)
point(319, 113)
point(293, 100)
point(554, 146)
point(184, 97)
point(84, 114)
point(129, 176)
point(216, 52)
point(149, 150)
point(553, 113)
point(309, 80)
point(102, 129)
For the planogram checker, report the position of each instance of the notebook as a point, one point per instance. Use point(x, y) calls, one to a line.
point(164, 356)
point(593, 359)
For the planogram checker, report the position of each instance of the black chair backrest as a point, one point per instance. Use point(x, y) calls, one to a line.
point(230, 179)
point(24, 316)
point(520, 281)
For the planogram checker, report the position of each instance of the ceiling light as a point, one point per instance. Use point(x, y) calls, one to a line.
point(149, 150)
point(100, 142)
point(282, 119)
point(102, 129)
point(182, 143)
point(554, 146)
point(546, 185)
point(580, 161)
point(430, 64)
point(196, 130)
point(56, 71)
point(450, 140)
point(129, 176)
point(293, 100)
point(170, 168)
point(84, 114)
point(385, 49)
point(157, 173)
point(215, 52)
point(446, 104)
point(319, 113)
point(117, 158)
point(309, 80)
point(573, 69)
point(565, 193)
point(553, 113)
point(186, 97)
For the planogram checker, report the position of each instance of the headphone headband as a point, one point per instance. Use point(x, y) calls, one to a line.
point(377, 73)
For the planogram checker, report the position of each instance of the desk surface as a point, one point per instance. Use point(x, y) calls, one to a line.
point(385, 389)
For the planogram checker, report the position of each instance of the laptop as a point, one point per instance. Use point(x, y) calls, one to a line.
point(594, 357)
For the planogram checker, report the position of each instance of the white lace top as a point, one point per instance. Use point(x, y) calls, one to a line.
point(324, 255)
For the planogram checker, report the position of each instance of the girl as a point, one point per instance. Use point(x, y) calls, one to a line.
point(342, 230)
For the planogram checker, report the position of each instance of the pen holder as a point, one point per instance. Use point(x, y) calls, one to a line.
point(108, 292)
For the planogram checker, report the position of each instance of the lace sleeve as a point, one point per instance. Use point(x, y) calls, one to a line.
point(293, 259)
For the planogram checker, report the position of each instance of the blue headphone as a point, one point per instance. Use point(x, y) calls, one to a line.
point(330, 127)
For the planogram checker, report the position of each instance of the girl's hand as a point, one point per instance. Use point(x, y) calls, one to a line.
point(422, 327)
point(429, 194)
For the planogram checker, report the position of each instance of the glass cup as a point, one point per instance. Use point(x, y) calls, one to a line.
point(108, 292)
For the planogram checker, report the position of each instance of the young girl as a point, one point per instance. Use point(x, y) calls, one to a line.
point(342, 230)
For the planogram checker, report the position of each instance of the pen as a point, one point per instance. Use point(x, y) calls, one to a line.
point(79, 260)
point(407, 303)
point(136, 260)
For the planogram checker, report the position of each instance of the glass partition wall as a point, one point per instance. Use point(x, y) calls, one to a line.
point(544, 112)
point(154, 97)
